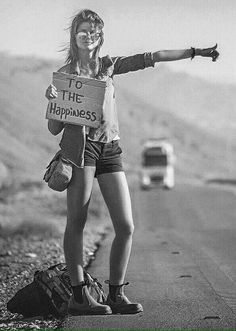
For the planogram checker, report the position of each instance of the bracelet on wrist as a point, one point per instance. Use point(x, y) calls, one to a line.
point(193, 52)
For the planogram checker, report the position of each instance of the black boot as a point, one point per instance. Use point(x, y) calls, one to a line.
point(119, 302)
point(87, 305)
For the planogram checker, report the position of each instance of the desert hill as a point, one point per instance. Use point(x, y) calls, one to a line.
point(193, 99)
point(25, 142)
point(197, 115)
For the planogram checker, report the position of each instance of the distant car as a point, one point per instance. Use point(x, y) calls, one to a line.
point(157, 164)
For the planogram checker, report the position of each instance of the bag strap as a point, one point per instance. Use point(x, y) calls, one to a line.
point(55, 158)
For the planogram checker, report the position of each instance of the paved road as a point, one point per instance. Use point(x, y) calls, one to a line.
point(182, 267)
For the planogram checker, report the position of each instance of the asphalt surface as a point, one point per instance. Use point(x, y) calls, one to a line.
point(182, 267)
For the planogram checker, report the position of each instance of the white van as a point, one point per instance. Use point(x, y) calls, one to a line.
point(157, 164)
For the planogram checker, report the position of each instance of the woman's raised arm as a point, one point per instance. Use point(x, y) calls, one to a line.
point(174, 55)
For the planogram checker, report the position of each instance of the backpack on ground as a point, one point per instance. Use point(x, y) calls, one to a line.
point(49, 293)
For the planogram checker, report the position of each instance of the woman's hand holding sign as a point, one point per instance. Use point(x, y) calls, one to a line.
point(51, 92)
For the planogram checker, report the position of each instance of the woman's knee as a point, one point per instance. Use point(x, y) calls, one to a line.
point(75, 224)
point(124, 229)
point(76, 218)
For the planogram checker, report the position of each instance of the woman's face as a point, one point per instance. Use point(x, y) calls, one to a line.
point(87, 36)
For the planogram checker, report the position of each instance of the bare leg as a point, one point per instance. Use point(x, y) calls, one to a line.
point(78, 197)
point(115, 191)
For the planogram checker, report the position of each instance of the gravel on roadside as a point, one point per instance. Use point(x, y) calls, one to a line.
point(33, 245)
point(20, 257)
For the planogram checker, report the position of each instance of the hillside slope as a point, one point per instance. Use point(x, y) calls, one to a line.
point(207, 105)
point(200, 154)
point(198, 116)
point(25, 142)
point(144, 110)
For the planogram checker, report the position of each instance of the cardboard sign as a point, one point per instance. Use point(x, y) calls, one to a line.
point(79, 101)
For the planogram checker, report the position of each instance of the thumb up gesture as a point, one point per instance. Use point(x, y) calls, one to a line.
point(210, 52)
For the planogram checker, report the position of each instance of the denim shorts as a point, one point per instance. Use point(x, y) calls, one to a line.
point(106, 157)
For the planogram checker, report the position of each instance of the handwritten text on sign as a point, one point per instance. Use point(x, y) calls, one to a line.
point(79, 101)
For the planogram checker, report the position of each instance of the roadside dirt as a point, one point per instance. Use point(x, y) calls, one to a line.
point(31, 235)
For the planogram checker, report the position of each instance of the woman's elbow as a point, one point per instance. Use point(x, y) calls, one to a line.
point(55, 127)
point(53, 132)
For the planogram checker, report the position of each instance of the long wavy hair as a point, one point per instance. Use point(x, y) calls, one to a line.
point(84, 15)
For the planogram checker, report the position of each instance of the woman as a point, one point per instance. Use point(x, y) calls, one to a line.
point(96, 153)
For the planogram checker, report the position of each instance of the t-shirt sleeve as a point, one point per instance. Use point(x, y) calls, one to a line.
point(124, 64)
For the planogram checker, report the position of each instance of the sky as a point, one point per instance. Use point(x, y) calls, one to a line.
point(40, 28)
